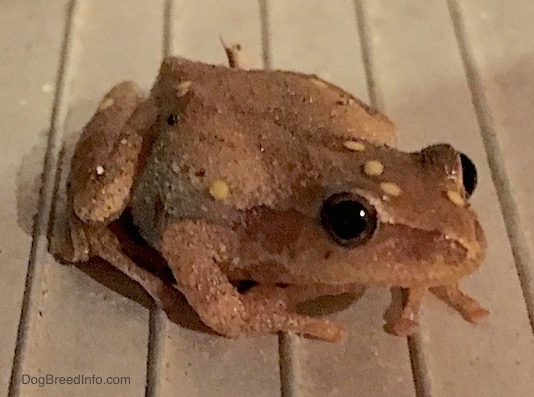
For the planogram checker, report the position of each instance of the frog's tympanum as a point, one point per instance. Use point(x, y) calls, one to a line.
point(275, 177)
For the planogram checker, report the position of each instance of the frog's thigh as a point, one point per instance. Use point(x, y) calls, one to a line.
point(107, 154)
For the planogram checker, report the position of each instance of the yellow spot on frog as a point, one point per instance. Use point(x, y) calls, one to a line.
point(455, 197)
point(106, 103)
point(373, 168)
point(219, 190)
point(390, 188)
point(354, 145)
point(183, 88)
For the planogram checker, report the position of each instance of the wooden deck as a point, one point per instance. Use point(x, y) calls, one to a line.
point(454, 71)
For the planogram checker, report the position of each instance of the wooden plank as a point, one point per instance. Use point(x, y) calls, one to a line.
point(29, 66)
point(499, 54)
point(188, 361)
point(86, 322)
point(421, 82)
point(322, 37)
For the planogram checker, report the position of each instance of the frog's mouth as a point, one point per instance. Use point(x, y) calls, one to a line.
point(401, 256)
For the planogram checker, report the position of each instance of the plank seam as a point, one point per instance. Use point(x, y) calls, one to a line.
point(39, 245)
point(496, 161)
point(365, 48)
point(154, 358)
point(167, 23)
point(265, 34)
point(289, 364)
point(422, 383)
point(157, 317)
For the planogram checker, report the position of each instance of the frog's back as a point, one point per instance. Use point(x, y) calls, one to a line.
point(244, 130)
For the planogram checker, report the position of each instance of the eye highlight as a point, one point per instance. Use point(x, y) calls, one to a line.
point(348, 218)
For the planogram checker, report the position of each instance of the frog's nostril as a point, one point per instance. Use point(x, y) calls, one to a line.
point(469, 174)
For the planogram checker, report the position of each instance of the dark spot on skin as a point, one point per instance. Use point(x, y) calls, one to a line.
point(200, 173)
point(327, 254)
point(244, 285)
point(172, 119)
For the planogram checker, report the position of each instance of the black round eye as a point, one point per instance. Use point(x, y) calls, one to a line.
point(348, 218)
point(172, 119)
point(469, 174)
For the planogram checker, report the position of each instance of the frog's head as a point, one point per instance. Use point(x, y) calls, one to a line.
point(383, 217)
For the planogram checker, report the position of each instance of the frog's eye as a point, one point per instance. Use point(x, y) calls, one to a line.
point(469, 174)
point(349, 219)
point(172, 119)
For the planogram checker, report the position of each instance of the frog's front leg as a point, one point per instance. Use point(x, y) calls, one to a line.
point(407, 324)
point(469, 308)
point(193, 250)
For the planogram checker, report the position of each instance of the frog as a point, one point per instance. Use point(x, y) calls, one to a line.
point(277, 178)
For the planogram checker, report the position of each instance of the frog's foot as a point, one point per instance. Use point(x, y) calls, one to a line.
point(469, 308)
point(235, 55)
point(78, 249)
point(407, 324)
point(273, 309)
point(71, 244)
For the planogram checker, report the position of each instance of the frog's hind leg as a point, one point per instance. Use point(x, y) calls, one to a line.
point(469, 308)
point(105, 163)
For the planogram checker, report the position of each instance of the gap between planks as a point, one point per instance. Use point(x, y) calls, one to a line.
point(49, 180)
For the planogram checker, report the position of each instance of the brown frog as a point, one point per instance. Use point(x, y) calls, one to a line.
point(276, 177)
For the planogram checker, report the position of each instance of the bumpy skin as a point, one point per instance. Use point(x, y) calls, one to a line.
point(226, 171)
